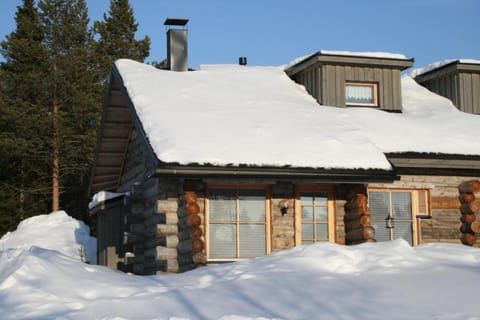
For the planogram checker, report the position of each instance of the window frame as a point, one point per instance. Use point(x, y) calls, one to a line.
point(331, 222)
point(237, 187)
point(416, 207)
point(373, 85)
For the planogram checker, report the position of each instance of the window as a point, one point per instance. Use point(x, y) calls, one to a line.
point(236, 223)
point(361, 94)
point(393, 213)
point(315, 217)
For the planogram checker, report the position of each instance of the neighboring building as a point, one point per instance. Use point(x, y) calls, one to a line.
point(457, 80)
point(232, 162)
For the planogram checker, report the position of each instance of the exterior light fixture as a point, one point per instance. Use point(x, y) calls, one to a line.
point(283, 205)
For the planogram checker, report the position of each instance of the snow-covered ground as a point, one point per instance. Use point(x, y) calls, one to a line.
point(42, 277)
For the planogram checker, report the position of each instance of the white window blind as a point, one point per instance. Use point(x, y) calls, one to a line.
point(392, 215)
point(361, 94)
point(237, 219)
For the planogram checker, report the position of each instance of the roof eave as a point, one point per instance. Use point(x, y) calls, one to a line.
point(339, 59)
point(285, 173)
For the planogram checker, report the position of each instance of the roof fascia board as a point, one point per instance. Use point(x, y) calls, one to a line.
point(320, 58)
point(449, 68)
point(432, 161)
point(313, 175)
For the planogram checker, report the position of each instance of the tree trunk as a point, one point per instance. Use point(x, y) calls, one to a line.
point(56, 147)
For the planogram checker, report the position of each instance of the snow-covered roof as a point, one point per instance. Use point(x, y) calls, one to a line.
point(438, 64)
point(242, 115)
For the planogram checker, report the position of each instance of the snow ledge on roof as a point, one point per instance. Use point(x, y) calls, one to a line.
point(438, 64)
point(371, 54)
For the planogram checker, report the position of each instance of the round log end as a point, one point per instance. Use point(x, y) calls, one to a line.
point(193, 208)
point(197, 245)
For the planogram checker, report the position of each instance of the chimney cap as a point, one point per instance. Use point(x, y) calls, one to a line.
point(175, 22)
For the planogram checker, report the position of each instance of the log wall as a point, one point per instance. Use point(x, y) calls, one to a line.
point(358, 227)
point(283, 224)
point(446, 216)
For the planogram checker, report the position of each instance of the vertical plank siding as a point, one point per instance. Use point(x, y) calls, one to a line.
point(327, 84)
point(462, 88)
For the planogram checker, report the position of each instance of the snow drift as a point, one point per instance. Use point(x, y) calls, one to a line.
point(388, 280)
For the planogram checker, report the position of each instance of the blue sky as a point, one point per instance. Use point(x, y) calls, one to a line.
point(273, 32)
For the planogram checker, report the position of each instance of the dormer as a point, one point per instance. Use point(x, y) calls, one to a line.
point(353, 79)
point(457, 80)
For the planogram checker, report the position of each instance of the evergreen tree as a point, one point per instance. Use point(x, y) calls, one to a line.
point(75, 99)
point(24, 146)
point(116, 37)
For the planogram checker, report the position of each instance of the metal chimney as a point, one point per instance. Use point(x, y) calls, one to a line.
point(177, 44)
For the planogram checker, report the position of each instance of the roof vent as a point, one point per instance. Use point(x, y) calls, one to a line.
point(242, 61)
point(177, 44)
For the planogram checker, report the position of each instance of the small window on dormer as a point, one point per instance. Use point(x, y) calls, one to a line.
point(361, 94)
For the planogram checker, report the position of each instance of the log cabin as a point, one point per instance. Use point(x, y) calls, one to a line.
point(231, 162)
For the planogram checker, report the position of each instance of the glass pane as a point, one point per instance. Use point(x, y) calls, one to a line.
point(359, 94)
point(379, 203)
point(321, 198)
point(307, 214)
point(403, 230)
point(252, 240)
point(307, 231)
point(322, 232)
point(402, 205)
point(307, 242)
point(223, 241)
point(321, 213)
point(252, 205)
point(306, 198)
point(222, 205)
point(381, 232)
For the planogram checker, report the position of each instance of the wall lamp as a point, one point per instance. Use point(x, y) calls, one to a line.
point(283, 205)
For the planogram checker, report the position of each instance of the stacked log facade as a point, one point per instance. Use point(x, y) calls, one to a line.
point(191, 213)
point(153, 228)
point(470, 208)
point(358, 227)
point(165, 218)
point(444, 205)
point(283, 223)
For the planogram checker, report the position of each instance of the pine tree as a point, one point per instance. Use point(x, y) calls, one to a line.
point(75, 100)
point(116, 35)
point(24, 148)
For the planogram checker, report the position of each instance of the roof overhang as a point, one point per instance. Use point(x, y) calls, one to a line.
point(444, 164)
point(453, 67)
point(278, 173)
point(118, 119)
point(338, 59)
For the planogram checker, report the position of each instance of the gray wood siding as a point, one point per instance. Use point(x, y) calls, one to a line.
point(310, 79)
point(327, 84)
point(462, 88)
point(137, 165)
point(470, 92)
point(448, 86)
